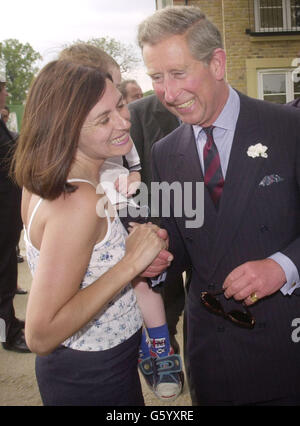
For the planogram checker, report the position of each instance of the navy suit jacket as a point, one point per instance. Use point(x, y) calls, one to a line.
point(229, 363)
point(151, 121)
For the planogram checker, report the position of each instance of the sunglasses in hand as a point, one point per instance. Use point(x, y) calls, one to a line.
point(238, 317)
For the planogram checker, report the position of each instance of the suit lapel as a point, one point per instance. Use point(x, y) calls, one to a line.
point(166, 123)
point(241, 178)
point(188, 169)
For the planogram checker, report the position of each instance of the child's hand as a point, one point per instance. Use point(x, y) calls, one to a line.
point(128, 185)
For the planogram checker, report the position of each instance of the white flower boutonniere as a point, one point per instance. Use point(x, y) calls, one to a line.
point(257, 150)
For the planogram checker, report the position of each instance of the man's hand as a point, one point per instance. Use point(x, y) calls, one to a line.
point(164, 258)
point(260, 277)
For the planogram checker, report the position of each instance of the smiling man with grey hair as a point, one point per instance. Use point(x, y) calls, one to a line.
point(247, 253)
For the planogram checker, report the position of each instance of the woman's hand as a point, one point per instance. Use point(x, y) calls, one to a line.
point(162, 260)
point(143, 245)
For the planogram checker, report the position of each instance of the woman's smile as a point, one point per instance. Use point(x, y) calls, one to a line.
point(122, 140)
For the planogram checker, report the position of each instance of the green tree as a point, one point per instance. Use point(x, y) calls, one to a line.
point(149, 92)
point(19, 61)
point(124, 54)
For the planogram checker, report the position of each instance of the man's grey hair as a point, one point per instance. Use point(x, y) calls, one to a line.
point(202, 36)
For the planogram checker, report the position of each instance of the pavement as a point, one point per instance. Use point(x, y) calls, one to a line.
point(18, 385)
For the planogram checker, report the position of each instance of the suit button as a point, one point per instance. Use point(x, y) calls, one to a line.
point(264, 228)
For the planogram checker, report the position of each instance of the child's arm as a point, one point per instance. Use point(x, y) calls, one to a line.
point(128, 184)
point(150, 302)
point(133, 159)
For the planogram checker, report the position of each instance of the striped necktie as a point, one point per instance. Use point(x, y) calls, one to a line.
point(213, 177)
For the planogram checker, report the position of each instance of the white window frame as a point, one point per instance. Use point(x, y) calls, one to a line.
point(289, 83)
point(287, 17)
point(160, 4)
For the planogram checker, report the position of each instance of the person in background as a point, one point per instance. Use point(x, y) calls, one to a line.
point(130, 90)
point(5, 116)
point(10, 228)
point(243, 300)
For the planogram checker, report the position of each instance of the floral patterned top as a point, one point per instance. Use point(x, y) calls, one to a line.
point(121, 318)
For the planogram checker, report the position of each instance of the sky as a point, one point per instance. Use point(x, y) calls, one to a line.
point(49, 25)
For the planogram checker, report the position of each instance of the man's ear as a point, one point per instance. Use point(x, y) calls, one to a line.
point(218, 63)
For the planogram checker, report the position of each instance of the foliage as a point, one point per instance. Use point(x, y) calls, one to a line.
point(19, 61)
point(124, 54)
point(148, 93)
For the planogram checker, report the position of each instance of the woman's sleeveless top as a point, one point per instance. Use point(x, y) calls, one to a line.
point(121, 318)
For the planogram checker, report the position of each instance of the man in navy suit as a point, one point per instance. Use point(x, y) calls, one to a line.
point(246, 254)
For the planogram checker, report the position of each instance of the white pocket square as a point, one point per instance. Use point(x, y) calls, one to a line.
point(269, 180)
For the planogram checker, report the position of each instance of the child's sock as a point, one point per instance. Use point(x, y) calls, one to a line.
point(144, 351)
point(160, 341)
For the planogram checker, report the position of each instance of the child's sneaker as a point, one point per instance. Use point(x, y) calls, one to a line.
point(168, 377)
point(146, 368)
point(161, 368)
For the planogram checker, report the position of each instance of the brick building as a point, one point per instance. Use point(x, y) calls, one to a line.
point(262, 42)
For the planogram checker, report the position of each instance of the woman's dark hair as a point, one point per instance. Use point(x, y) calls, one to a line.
point(58, 102)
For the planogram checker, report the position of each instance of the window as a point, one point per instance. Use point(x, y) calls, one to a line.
point(279, 86)
point(160, 4)
point(277, 15)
